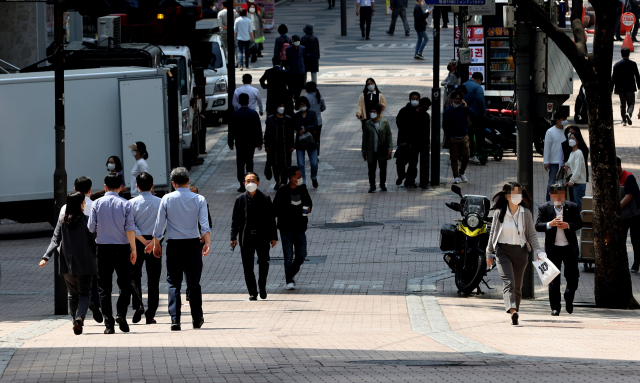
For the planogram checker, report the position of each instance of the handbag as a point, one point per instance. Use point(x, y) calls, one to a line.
point(547, 271)
point(306, 141)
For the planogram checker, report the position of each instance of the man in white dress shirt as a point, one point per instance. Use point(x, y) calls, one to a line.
point(254, 95)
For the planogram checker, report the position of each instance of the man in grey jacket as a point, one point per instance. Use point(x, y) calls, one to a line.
point(398, 7)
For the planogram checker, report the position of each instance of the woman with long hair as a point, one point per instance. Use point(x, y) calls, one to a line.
point(369, 98)
point(77, 257)
point(512, 236)
point(316, 104)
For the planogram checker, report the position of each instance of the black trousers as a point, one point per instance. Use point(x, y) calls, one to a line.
point(297, 81)
point(184, 259)
point(250, 246)
point(79, 287)
point(244, 159)
point(365, 19)
point(154, 269)
point(411, 172)
point(114, 258)
point(424, 166)
point(444, 14)
point(332, 3)
point(280, 169)
point(559, 255)
point(633, 224)
point(382, 164)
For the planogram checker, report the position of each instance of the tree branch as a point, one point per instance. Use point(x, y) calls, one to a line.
point(577, 27)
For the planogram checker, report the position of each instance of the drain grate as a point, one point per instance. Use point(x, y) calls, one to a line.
point(427, 250)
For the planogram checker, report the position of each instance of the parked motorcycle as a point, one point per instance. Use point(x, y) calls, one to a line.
point(465, 241)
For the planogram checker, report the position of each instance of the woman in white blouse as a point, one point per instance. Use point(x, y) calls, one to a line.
point(139, 152)
point(512, 236)
point(578, 169)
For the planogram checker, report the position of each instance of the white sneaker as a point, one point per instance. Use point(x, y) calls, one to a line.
point(290, 286)
point(463, 178)
point(474, 160)
point(456, 180)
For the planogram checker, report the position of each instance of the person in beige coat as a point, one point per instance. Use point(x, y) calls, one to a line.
point(512, 236)
point(369, 98)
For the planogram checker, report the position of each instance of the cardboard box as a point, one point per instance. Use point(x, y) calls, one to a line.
point(587, 252)
point(587, 203)
point(587, 216)
point(586, 235)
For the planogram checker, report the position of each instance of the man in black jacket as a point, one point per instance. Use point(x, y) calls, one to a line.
point(290, 203)
point(407, 152)
point(246, 135)
point(398, 8)
point(624, 79)
point(274, 81)
point(253, 221)
point(559, 220)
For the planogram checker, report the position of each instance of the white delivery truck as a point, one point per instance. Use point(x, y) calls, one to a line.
point(106, 109)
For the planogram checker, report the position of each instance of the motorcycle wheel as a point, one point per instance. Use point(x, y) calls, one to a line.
point(498, 154)
point(469, 272)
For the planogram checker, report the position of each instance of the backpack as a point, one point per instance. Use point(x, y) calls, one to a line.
point(283, 51)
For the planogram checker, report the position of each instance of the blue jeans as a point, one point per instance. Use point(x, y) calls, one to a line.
point(313, 160)
point(423, 39)
point(289, 240)
point(577, 192)
point(243, 49)
point(553, 172)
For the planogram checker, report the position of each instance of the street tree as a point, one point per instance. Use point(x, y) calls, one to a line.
point(612, 279)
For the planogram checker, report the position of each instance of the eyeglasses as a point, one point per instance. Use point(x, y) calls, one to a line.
point(457, 98)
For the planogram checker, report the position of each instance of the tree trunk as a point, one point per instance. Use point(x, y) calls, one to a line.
point(613, 287)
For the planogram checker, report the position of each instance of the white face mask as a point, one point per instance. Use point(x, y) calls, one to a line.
point(251, 187)
point(564, 123)
point(516, 198)
point(373, 115)
point(572, 143)
point(558, 203)
point(281, 110)
point(133, 152)
point(111, 167)
point(371, 87)
point(415, 103)
point(303, 108)
point(296, 43)
point(299, 181)
point(252, 10)
point(455, 105)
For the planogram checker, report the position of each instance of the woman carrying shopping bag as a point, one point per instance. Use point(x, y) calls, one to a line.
point(512, 236)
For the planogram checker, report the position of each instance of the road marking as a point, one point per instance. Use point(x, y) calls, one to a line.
point(428, 282)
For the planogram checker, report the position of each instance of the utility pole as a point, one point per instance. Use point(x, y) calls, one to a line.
point(231, 61)
point(436, 99)
point(60, 174)
point(525, 127)
point(343, 17)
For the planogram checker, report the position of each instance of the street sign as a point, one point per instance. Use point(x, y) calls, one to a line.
point(488, 9)
point(462, 3)
point(627, 20)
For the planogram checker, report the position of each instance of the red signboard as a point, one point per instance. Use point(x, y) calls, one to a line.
point(475, 35)
point(626, 22)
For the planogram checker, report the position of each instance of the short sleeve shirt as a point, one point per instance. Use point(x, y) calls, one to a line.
point(365, 3)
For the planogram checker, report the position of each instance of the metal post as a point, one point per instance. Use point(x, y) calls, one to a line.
point(525, 127)
point(463, 69)
point(343, 17)
point(231, 62)
point(60, 174)
point(436, 98)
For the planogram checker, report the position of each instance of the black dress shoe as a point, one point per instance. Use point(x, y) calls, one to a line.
point(151, 321)
point(568, 304)
point(95, 310)
point(383, 188)
point(372, 190)
point(399, 181)
point(314, 183)
point(109, 330)
point(175, 326)
point(367, 38)
point(137, 316)
point(406, 34)
point(253, 297)
point(389, 33)
point(514, 318)
point(555, 313)
point(445, 26)
point(198, 323)
point(77, 326)
point(122, 323)
point(263, 293)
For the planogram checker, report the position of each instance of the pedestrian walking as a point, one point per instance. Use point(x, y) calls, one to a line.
point(365, 9)
point(279, 144)
point(180, 212)
point(254, 94)
point(475, 102)
point(399, 8)
point(630, 205)
point(332, 3)
point(292, 204)
point(316, 105)
point(634, 7)
point(377, 146)
point(274, 80)
point(208, 10)
point(578, 170)
point(145, 211)
point(253, 226)
point(305, 126)
point(565, 150)
point(258, 27)
point(194, 189)
point(243, 29)
point(624, 79)
point(420, 25)
point(453, 78)
point(297, 74)
point(282, 43)
point(619, 11)
point(311, 53)
point(369, 98)
point(222, 16)
point(424, 141)
point(560, 220)
point(139, 152)
point(553, 139)
point(78, 257)
point(407, 151)
point(512, 237)
point(444, 15)
point(112, 218)
point(455, 128)
point(246, 135)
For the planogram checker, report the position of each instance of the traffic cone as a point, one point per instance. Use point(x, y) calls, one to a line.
point(627, 43)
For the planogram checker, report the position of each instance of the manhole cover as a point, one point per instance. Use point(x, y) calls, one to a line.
point(551, 321)
point(427, 250)
point(401, 222)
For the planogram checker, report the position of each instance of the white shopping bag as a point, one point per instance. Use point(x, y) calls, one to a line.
point(547, 271)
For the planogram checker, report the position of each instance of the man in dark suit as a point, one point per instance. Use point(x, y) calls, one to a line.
point(297, 71)
point(274, 81)
point(254, 222)
point(559, 220)
point(246, 135)
point(624, 78)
